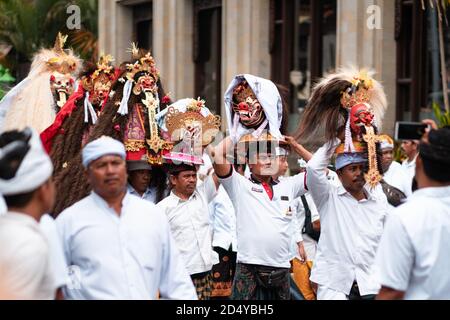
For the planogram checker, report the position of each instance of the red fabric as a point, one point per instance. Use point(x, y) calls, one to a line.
point(268, 189)
point(49, 134)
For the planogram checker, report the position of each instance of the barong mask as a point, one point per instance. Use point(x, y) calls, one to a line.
point(99, 83)
point(190, 126)
point(247, 106)
point(62, 87)
point(351, 97)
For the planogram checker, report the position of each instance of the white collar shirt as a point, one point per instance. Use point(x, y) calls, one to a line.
point(26, 270)
point(264, 226)
point(223, 219)
point(410, 167)
point(149, 194)
point(398, 177)
point(131, 256)
point(350, 230)
point(413, 256)
point(191, 228)
point(57, 258)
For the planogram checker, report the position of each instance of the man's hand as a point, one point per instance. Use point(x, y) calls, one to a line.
point(431, 123)
point(298, 148)
point(302, 252)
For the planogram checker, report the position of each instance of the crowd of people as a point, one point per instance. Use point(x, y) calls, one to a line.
point(110, 201)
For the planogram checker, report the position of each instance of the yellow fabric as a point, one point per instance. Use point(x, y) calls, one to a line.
point(302, 272)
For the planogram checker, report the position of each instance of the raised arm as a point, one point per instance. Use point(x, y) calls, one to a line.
point(221, 165)
point(316, 173)
point(298, 148)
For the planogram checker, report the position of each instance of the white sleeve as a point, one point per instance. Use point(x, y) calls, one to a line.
point(312, 207)
point(223, 213)
point(64, 236)
point(299, 219)
point(316, 179)
point(208, 188)
point(57, 258)
point(298, 185)
point(232, 183)
point(175, 284)
point(395, 255)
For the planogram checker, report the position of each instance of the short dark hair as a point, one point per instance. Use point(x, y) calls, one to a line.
point(19, 200)
point(435, 155)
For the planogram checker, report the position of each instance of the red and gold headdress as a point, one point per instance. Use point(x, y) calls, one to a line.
point(350, 98)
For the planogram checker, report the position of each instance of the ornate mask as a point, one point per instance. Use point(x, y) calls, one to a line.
point(145, 84)
point(360, 115)
point(247, 106)
point(62, 87)
point(102, 85)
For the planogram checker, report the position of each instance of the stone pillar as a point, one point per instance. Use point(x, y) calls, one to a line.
point(115, 29)
point(245, 34)
point(359, 45)
point(172, 43)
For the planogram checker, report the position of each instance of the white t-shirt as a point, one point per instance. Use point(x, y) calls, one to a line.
point(26, 270)
point(414, 253)
point(264, 226)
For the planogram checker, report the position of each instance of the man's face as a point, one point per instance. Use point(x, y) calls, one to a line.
point(409, 147)
point(264, 164)
point(48, 195)
point(283, 165)
point(140, 179)
point(185, 182)
point(387, 156)
point(108, 176)
point(352, 177)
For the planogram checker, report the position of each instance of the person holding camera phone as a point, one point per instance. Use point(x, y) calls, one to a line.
point(413, 253)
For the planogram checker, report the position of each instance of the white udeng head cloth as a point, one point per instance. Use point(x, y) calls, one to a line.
point(269, 98)
point(35, 169)
point(101, 147)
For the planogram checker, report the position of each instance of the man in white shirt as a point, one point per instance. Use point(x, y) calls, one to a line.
point(411, 149)
point(395, 175)
point(263, 219)
point(351, 220)
point(186, 209)
point(117, 245)
point(139, 176)
point(25, 182)
point(413, 256)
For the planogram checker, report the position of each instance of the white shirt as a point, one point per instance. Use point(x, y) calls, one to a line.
point(130, 256)
point(149, 194)
point(410, 168)
point(189, 223)
point(414, 251)
point(264, 226)
point(223, 220)
point(398, 177)
point(350, 230)
point(57, 258)
point(309, 244)
point(25, 268)
point(3, 207)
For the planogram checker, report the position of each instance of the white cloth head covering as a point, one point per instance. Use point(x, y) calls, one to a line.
point(35, 169)
point(386, 145)
point(269, 98)
point(101, 147)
